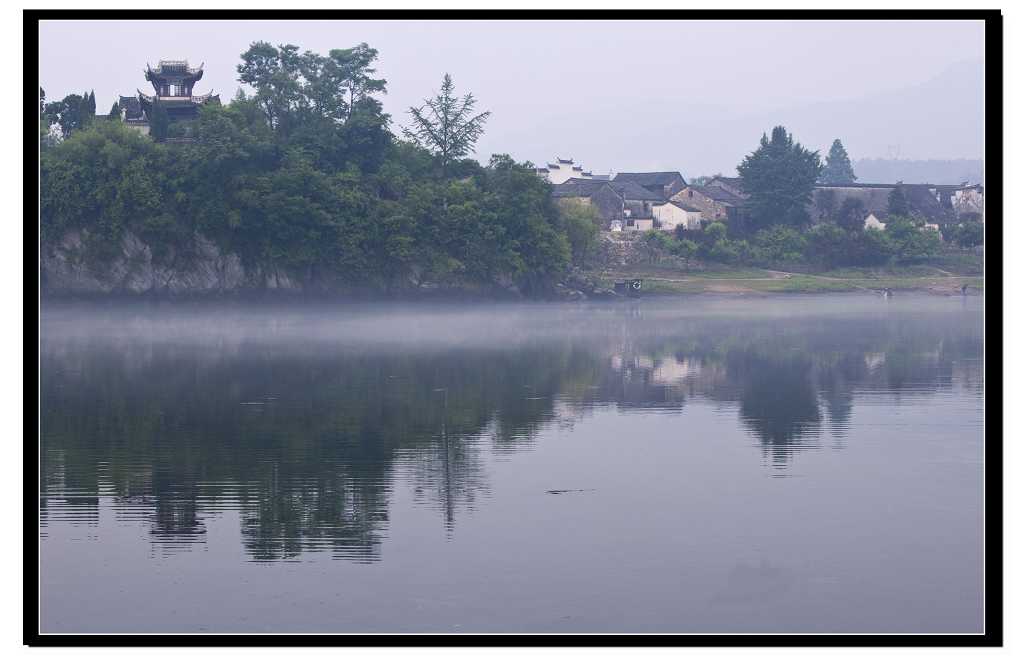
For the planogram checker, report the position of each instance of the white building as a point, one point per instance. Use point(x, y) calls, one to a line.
point(969, 200)
point(563, 169)
point(872, 222)
point(638, 224)
point(671, 214)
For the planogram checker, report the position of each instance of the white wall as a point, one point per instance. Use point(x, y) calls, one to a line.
point(871, 222)
point(670, 216)
point(559, 173)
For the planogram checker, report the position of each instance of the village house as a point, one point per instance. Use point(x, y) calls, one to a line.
point(874, 221)
point(626, 203)
point(713, 201)
point(563, 169)
point(669, 215)
point(969, 202)
point(732, 185)
point(934, 204)
point(662, 183)
point(598, 193)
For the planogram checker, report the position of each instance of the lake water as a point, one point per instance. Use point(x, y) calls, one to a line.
point(791, 464)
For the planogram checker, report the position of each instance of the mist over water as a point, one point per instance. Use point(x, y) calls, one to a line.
point(803, 463)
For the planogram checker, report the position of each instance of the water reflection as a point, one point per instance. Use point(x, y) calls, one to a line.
point(308, 439)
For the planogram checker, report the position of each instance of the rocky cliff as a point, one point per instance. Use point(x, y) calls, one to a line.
point(68, 268)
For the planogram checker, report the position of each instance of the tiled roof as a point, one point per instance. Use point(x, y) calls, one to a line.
point(716, 193)
point(131, 107)
point(577, 187)
point(587, 187)
point(652, 178)
point(632, 191)
point(684, 206)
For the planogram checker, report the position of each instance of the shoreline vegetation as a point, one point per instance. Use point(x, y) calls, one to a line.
point(305, 188)
point(793, 283)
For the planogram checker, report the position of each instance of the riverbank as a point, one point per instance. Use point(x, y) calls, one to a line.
point(756, 281)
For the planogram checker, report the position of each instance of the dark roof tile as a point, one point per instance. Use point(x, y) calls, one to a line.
point(651, 178)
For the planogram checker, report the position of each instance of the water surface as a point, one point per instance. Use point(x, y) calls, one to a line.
point(792, 464)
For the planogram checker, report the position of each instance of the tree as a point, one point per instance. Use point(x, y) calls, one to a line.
point(44, 122)
point(969, 234)
point(89, 109)
point(659, 245)
point(159, 121)
point(702, 180)
point(685, 249)
point(826, 245)
point(714, 232)
point(898, 203)
point(838, 169)
point(582, 224)
point(851, 215)
point(446, 126)
point(910, 240)
point(354, 68)
point(70, 113)
point(274, 74)
point(780, 244)
point(337, 86)
point(779, 177)
point(115, 111)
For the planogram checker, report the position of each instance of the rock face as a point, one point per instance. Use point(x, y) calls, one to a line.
point(203, 268)
point(66, 269)
point(620, 250)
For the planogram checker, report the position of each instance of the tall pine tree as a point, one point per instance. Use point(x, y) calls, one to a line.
point(779, 177)
point(838, 169)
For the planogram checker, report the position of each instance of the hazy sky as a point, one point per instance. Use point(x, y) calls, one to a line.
point(616, 95)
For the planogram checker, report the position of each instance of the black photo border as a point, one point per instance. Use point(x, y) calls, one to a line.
point(993, 294)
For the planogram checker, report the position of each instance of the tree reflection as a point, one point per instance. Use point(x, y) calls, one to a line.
point(306, 443)
point(778, 401)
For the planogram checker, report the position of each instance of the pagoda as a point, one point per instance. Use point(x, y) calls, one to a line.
point(172, 82)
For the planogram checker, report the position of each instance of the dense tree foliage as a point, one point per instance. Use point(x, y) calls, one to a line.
point(851, 215)
point(969, 234)
point(159, 121)
point(71, 113)
point(582, 228)
point(304, 175)
point(838, 170)
point(780, 177)
point(826, 245)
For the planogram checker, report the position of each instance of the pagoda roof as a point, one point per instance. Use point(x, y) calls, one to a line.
point(175, 67)
point(173, 70)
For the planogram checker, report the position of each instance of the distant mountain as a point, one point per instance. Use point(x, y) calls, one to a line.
point(942, 118)
point(933, 171)
point(938, 118)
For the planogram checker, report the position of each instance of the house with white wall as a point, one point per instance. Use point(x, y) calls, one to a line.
point(668, 215)
point(874, 221)
point(561, 170)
